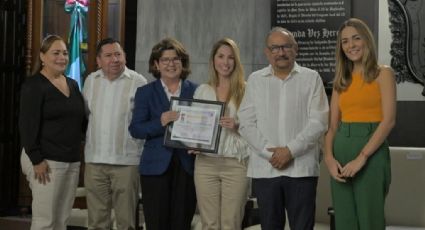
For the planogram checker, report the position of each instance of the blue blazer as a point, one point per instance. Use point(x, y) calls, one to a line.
point(149, 103)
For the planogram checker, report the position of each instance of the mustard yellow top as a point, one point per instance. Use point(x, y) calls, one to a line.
point(361, 102)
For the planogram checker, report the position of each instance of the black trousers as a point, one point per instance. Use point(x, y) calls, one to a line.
point(169, 200)
point(295, 195)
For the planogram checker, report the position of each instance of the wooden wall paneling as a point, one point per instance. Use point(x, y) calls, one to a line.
point(122, 21)
point(92, 36)
point(104, 18)
point(55, 19)
point(28, 50)
point(96, 29)
point(130, 27)
point(36, 31)
point(12, 72)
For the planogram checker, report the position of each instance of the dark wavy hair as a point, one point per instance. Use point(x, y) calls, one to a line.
point(169, 44)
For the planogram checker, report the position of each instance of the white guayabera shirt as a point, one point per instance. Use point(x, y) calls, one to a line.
point(278, 113)
point(110, 108)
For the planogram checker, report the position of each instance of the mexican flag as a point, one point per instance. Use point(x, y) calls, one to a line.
point(77, 38)
point(76, 67)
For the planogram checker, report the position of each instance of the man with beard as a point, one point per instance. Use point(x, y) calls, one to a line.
point(283, 115)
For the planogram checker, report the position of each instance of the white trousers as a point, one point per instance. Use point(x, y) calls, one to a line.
point(52, 202)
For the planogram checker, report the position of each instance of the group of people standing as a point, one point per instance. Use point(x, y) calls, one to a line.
point(271, 132)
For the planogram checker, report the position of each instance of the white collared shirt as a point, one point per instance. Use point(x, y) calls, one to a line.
point(169, 93)
point(276, 113)
point(110, 107)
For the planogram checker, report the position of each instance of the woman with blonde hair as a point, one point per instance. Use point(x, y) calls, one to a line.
point(220, 179)
point(363, 111)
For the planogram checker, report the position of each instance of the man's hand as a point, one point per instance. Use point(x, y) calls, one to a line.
point(281, 157)
point(169, 116)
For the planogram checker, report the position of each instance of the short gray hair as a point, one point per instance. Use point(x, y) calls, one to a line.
point(281, 30)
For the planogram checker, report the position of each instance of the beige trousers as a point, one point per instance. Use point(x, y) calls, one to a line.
point(111, 187)
point(221, 190)
point(52, 202)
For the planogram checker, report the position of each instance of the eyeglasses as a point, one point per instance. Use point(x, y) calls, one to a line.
point(168, 60)
point(274, 49)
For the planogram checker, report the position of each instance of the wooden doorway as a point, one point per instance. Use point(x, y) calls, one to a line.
point(12, 62)
point(106, 18)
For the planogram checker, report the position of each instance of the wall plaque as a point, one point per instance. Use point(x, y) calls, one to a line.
point(315, 26)
point(407, 20)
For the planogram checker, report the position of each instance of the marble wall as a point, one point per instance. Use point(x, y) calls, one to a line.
point(199, 23)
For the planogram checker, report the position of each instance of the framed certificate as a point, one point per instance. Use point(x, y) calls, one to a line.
point(197, 127)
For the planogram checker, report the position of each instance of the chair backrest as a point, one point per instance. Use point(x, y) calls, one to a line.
point(405, 203)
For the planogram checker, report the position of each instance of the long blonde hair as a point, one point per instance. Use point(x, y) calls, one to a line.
point(344, 66)
point(237, 80)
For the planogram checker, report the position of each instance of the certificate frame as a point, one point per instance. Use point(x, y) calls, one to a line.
point(208, 140)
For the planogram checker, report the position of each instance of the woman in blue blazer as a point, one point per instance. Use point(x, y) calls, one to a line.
point(168, 190)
